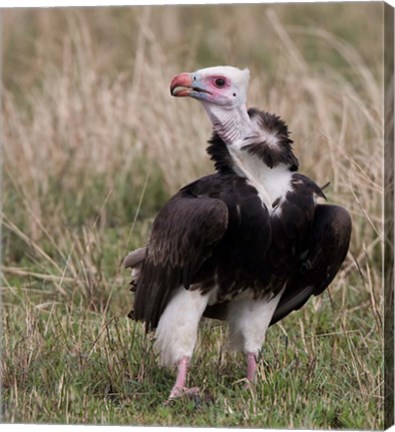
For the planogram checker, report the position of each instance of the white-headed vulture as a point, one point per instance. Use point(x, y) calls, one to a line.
point(248, 244)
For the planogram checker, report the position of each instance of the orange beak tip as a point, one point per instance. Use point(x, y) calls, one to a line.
point(181, 85)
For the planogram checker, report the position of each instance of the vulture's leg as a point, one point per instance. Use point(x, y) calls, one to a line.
point(251, 367)
point(179, 388)
point(249, 320)
point(176, 334)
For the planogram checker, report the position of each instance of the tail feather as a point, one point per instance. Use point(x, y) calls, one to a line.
point(134, 260)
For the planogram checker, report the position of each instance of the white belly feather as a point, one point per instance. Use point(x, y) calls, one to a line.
point(248, 321)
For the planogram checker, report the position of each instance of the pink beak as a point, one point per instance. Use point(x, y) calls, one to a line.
point(181, 85)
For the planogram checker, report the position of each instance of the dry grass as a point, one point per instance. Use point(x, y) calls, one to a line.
point(93, 145)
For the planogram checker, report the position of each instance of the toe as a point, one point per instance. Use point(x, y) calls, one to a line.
point(179, 392)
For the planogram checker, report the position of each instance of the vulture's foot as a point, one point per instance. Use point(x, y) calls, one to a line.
point(180, 392)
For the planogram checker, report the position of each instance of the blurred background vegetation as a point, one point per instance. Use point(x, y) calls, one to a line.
point(93, 145)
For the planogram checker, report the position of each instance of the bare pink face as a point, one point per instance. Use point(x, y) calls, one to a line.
point(225, 86)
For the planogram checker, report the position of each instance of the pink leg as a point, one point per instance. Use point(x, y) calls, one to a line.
point(181, 376)
point(179, 388)
point(251, 367)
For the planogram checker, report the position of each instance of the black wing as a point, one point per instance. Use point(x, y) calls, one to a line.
point(183, 237)
point(325, 248)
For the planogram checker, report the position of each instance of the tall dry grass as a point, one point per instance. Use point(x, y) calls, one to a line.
point(94, 144)
point(80, 125)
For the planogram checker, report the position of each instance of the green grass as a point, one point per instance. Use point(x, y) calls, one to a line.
point(94, 146)
point(81, 366)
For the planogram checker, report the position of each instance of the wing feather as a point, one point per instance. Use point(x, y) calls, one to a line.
point(326, 247)
point(184, 235)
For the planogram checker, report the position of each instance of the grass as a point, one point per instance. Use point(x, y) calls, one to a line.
point(94, 145)
point(82, 367)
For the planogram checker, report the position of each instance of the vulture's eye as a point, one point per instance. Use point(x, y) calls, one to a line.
point(220, 82)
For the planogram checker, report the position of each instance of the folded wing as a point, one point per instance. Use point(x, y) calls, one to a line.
point(325, 248)
point(184, 235)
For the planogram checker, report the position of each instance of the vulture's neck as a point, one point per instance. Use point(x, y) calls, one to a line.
point(254, 145)
point(231, 125)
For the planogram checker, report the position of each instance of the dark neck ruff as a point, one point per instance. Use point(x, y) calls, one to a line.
point(220, 155)
point(270, 154)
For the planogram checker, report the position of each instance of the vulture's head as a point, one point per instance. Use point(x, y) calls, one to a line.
point(223, 86)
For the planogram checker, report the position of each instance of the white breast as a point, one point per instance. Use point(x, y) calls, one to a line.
point(271, 183)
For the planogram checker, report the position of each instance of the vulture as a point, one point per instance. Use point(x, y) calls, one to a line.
point(248, 244)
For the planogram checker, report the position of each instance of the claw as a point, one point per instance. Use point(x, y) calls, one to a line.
point(180, 392)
